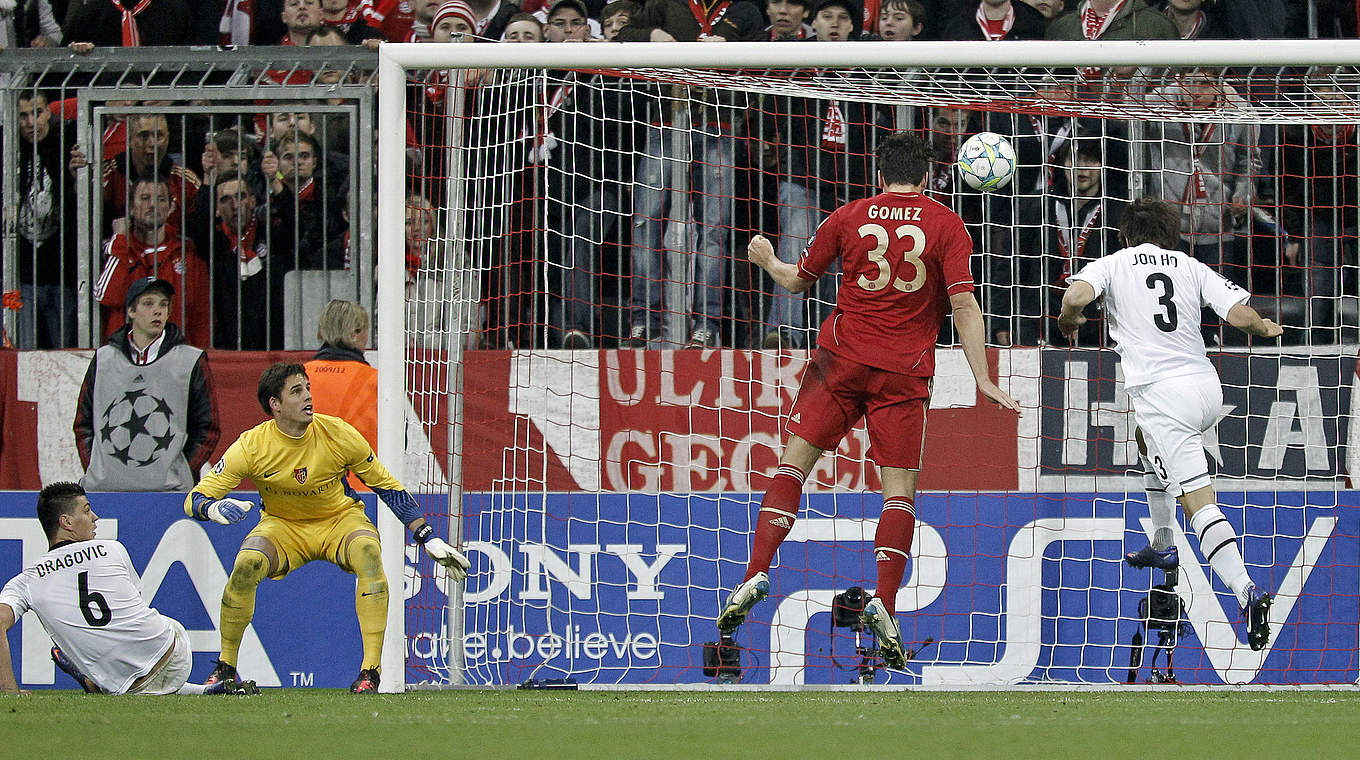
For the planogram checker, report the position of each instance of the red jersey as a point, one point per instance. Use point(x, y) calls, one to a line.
point(128, 259)
point(903, 255)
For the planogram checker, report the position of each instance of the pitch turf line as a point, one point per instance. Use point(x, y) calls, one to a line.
point(307, 723)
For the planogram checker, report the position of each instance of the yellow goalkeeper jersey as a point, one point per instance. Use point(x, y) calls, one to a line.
point(298, 478)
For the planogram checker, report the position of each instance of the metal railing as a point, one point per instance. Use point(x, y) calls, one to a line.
point(198, 92)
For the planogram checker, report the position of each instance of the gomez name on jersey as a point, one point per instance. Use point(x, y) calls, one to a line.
point(896, 213)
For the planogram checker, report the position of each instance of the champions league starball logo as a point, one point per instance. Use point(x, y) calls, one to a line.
point(136, 428)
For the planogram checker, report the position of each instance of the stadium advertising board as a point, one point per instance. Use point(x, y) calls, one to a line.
point(611, 494)
point(709, 421)
point(1283, 423)
point(1011, 588)
point(696, 421)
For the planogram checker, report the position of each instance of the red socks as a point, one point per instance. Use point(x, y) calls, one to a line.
point(775, 519)
point(892, 548)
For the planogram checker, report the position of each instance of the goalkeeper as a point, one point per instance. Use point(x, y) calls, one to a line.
point(298, 461)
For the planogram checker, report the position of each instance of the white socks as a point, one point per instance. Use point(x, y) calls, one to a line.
point(1161, 508)
point(1218, 543)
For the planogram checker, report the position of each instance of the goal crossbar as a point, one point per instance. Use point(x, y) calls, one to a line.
point(736, 55)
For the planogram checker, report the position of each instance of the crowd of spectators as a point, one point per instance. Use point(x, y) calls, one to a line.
point(597, 177)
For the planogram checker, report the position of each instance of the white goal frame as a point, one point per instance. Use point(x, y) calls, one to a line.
point(396, 59)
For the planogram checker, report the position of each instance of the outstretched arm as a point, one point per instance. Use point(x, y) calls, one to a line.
point(1077, 295)
point(8, 685)
point(1246, 319)
point(404, 506)
point(761, 253)
point(968, 321)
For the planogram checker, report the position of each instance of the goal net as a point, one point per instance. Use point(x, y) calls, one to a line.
point(587, 382)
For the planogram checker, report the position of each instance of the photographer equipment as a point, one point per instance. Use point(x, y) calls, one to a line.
point(1164, 612)
point(846, 608)
point(722, 659)
point(549, 683)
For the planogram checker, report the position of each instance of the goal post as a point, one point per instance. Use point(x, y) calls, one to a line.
point(603, 474)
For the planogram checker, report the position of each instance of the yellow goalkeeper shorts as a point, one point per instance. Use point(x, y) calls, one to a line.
point(301, 541)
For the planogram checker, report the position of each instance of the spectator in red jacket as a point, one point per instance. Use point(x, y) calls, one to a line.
point(147, 156)
point(148, 249)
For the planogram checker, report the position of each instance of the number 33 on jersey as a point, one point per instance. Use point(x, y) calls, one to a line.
point(903, 255)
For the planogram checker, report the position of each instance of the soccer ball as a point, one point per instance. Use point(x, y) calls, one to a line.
point(986, 161)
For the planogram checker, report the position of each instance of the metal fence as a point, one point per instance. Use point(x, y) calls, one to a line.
point(81, 136)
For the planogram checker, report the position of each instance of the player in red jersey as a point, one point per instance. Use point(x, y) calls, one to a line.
point(905, 258)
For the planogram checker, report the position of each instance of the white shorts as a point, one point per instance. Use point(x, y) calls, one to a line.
point(1173, 415)
point(175, 672)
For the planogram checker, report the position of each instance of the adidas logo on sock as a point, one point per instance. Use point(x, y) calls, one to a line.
point(781, 522)
point(881, 557)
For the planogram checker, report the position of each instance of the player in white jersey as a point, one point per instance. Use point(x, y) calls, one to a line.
point(1153, 297)
point(88, 597)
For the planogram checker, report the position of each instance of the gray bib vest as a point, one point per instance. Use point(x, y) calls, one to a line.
point(140, 415)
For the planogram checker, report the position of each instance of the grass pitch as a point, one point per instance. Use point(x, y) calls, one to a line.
point(306, 723)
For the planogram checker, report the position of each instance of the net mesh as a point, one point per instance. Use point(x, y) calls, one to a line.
point(599, 379)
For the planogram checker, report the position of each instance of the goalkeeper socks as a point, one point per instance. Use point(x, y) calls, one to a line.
point(1218, 543)
point(238, 600)
point(892, 547)
point(370, 595)
point(778, 510)
point(1161, 507)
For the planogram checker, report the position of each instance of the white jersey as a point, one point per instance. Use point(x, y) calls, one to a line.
point(1153, 299)
point(89, 599)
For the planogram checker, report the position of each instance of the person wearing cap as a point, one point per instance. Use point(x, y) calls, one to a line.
point(568, 21)
point(485, 20)
point(150, 248)
point(578, 145)
point(146, 418)
point(453, 22)
point(835, 21)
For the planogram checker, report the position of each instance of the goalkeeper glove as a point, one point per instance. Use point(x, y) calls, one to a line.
point(228, 511)
point(439, 550)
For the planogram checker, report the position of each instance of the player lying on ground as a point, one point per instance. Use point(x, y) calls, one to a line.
point(89, 599)
point(298, 460)
point(905, 258)
point(1153, 297)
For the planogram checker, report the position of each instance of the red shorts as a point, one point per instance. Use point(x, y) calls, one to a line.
point(837, 392)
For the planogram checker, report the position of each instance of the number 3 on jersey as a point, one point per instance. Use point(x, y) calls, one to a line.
point(1166, 321)
point(879, 256)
